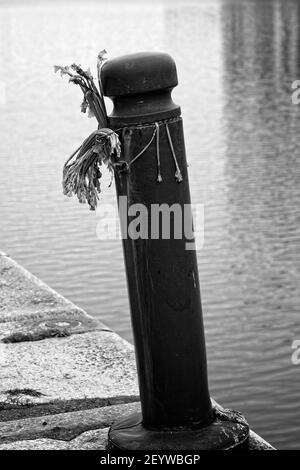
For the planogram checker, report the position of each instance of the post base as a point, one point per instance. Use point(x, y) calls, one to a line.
point(228, 431)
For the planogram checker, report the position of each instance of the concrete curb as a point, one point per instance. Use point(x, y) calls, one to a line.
point(53, 356)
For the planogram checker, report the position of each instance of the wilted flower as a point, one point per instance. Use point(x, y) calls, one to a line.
point(101, 55)
point(84, 73)
point(84, 105)
point(81, 173)
point(63, 70)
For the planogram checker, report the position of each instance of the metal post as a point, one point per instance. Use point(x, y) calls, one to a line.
point(162, 273)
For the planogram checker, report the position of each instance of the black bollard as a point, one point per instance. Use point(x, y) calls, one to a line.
point(162, 273)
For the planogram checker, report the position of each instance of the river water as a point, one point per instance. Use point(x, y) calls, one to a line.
point(236, 62)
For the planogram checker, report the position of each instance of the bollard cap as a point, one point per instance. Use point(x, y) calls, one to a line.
point(138, 73)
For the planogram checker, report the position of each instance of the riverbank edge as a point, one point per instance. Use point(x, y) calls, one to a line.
point(65, 377)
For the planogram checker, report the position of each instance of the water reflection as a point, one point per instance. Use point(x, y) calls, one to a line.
point(261, 59)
